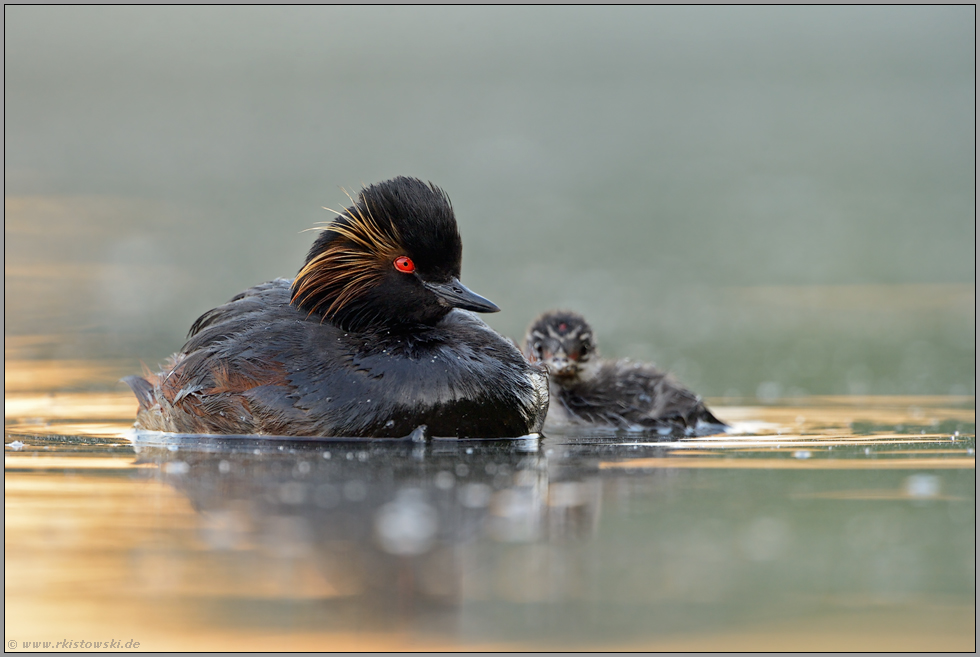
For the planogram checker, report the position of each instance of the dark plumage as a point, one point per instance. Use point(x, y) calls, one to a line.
point(373, 338)
point(589, 391)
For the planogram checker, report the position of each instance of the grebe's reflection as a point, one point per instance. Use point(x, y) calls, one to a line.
point(400, 525)
point(382, 520)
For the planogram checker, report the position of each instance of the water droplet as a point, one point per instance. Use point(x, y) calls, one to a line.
point(922, 486)
point(176, 468)
point(802, 454)
point(407, 525)
point(444, 480)
point(475, 496)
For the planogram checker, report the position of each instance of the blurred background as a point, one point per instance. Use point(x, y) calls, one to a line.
point(767, 201)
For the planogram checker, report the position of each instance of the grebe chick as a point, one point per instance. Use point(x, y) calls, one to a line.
point(589, 391)
point(373, 338)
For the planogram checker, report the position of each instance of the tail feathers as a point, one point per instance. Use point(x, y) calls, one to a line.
point(143, 390)
point(704, 415)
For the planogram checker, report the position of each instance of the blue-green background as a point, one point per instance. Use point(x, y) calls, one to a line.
point(764, 200)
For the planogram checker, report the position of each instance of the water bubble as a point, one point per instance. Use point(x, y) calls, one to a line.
point(408, 525)
point(176, 468)
point(303, 467)
point(475, 496)
point(224, 467)
point(922, 486)
point(445, 480)
point(326, 455)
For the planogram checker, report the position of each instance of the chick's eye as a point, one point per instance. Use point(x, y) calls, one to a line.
point(404, 264)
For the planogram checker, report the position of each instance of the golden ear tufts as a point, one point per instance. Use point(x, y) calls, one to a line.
point(347, 268)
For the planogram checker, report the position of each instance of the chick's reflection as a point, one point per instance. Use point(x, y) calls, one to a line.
point(387, 522)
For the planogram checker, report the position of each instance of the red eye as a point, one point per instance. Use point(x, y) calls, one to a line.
point(404, 264)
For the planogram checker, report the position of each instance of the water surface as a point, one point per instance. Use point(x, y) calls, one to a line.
point(820, 523)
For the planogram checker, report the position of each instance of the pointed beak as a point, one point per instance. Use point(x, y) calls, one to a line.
point(456, 295)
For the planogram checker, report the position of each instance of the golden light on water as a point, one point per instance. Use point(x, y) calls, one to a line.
point(105, 538)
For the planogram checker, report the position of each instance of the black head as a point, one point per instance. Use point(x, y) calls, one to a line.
point(391, 258)
point(562, 341)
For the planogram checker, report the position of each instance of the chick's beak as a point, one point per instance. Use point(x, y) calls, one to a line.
point(456, 295)
point(561, 366)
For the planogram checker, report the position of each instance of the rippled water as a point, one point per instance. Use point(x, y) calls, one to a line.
point(818, 523)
